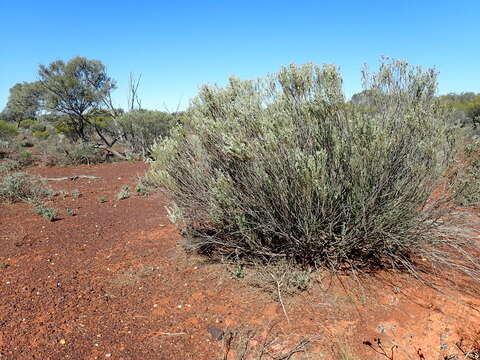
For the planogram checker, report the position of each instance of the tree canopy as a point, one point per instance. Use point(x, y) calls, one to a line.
point(79, 89)
point(25, 101)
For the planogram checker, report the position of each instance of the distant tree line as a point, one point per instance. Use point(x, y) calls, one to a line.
point(75, 96)
point(465, 106)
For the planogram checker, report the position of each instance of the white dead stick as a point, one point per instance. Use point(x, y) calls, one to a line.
point(74, 177)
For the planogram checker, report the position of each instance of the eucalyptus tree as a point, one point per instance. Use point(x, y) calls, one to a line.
point(25, 101)
point(81, 90)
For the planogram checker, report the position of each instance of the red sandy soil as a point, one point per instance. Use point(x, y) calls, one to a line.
point(114, 282)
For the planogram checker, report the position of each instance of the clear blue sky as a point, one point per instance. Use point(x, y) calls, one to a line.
point(178, 45)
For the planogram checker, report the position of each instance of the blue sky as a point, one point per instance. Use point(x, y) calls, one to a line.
point(178, 45)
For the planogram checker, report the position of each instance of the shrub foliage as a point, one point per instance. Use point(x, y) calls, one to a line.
point(285, 167)
point(23, 187)
point(7, 130)
point(140, 129)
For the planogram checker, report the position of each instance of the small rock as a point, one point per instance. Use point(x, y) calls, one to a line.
point(108, 355)
point(62, 341)
point(216, 332)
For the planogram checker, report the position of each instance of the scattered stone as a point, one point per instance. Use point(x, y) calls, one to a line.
point(62, 341)
point(216, 332)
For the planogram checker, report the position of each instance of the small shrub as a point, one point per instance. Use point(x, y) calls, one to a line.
point(7, 130)
point(472, 148)
point(70, 212)
point(9, 165)
point(286, 167)
point(124, 193)
point(238, 272)
point(23, 187)
point(27, 123)
point(102, 199)
point(4, 265)
point(38, 127)
point(76, 154)
point(42, 135)
point(144, 186)
point(25, 158)
point(45, 212)
point(280, 279)
point(27, 144)
point(76, 193)
point(468, 186)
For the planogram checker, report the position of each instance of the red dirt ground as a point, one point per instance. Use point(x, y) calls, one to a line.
point(114, 282)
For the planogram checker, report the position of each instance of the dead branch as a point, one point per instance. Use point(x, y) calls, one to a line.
point(74, 177)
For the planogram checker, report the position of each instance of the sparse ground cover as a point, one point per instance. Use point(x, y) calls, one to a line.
point(114, 281)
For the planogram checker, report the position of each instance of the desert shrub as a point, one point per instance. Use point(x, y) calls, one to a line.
point(140, 129)
point(8, 147)
point(40, 127)
point(82, 153)
point(26, 123)
point(468, 185)
point(282, 168)
point(45, 212)
point(472, 148)
point(62, 128)
point(9, 165)
point(76, 193)
point(145, 185)
point(7, 130)
point(27, 143)
point(22, 156)
point(25, 157)
point(42, 135)
point(57, 151)
point(124, 193)
point(23, 187)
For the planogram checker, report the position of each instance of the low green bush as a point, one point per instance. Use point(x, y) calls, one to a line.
point(284, 167)
point(9, 165)
point(76, 154)
point(25, 157)
point(45, 212)
point(27, 123)
point(60, 152)
point(42, 135)
point(144, 186)
point(7, 130)
point(23, 187)
point(124, 193)
point(38, 127)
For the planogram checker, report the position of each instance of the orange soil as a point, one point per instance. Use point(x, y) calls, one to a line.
point(114, 282)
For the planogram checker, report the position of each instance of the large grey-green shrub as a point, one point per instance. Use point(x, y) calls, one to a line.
point(284, 167)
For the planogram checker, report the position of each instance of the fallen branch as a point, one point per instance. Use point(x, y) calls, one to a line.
point(111, 151)
point(74, 177)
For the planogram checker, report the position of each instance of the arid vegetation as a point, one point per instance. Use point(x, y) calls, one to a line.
point(274, 184)
point(286, 168)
